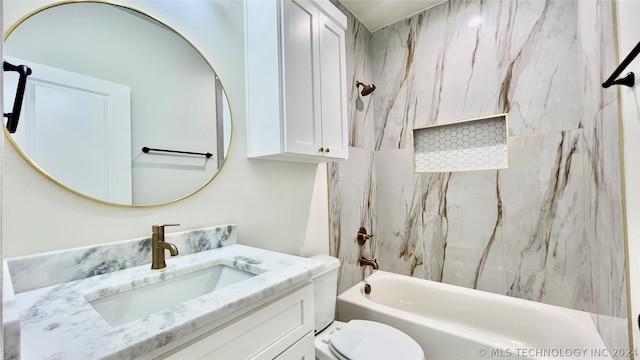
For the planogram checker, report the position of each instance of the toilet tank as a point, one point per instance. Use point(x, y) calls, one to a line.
point(325, 291)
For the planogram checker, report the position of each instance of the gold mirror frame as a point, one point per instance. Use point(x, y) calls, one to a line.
point(142, 13)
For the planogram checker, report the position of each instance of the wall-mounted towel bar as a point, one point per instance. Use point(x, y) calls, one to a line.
point(147, 149)
point(14, 116)
point(627, 80)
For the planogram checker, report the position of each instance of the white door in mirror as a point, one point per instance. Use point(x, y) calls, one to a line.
point(64, 116)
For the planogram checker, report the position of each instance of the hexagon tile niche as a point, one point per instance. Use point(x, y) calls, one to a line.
point(474, 144)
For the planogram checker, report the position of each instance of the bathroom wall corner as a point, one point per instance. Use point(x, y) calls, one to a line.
point(317, 235)
point(629, 104)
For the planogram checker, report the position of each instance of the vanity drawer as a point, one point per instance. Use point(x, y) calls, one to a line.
point(304, 349)
point(263, 333)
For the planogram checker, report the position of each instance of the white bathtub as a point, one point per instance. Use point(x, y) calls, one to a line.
point(452, 322)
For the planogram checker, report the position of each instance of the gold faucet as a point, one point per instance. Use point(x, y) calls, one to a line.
point(158, 246)
point(373, 263)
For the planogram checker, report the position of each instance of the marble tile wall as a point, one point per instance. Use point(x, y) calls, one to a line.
point(352, 205)
point(352, 201)
point(548, 229)
point(600, 118)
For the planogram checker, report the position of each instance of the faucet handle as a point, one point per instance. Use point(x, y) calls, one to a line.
point(362, 236)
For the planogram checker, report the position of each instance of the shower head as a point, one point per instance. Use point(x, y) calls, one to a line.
point(366, 88)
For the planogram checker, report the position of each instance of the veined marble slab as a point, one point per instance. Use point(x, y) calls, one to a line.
point(470, 59)
point(352, 205)
point(44, 269)
point(400, 217)
point(547, 255)
point(597, 59)
point(361, 122)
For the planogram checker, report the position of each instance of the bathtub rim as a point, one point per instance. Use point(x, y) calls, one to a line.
point(355, 296)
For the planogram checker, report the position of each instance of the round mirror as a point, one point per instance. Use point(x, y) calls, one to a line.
point(119, 107)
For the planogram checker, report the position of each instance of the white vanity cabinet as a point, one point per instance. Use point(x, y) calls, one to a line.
point(280, 328)
point(296, 80)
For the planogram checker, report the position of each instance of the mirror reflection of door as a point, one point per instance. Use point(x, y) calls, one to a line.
point(177, 102)
point(78, 128)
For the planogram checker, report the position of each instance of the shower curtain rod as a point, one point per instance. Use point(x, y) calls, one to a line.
point(629, 79)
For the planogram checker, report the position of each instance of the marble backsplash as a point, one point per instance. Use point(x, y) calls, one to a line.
point(40, 270)
point(547, 229)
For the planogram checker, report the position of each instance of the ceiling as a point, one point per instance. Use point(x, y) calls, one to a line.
point(376, 14)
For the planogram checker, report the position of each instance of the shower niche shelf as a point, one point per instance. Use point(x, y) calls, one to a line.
point(467, 145)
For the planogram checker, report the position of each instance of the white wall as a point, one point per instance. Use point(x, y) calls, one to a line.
point(269, 201)
point(628, 30)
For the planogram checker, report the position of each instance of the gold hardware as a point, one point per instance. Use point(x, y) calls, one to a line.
point(362, 236)
point(367, 289)
point(321, 150)
point(366, 88)
point(326, 150)
point(364, 262)
point(158, 246)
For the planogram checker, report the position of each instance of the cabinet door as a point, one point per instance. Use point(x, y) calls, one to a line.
point(303, 128)
point(333, 89)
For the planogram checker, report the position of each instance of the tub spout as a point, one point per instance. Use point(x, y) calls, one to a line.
point(364, 262)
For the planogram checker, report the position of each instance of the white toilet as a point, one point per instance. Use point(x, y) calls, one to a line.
point(357, 339)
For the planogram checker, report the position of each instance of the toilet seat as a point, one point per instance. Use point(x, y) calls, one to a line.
point(363, 339)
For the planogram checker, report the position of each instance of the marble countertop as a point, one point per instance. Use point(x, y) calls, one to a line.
point(57, 321)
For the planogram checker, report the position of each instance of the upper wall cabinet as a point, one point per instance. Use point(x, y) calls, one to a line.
point(296, 81)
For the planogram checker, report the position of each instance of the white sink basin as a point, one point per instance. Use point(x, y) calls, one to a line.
point(150, 298)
